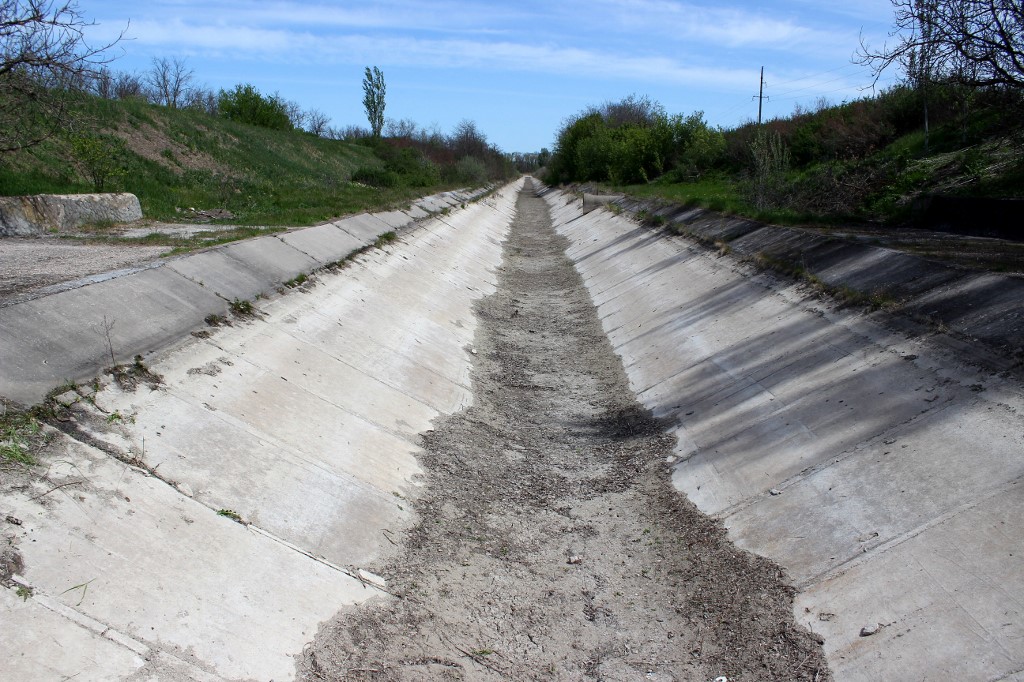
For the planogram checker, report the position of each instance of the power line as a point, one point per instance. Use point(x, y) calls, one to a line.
point(812, 86)
point(820, 73)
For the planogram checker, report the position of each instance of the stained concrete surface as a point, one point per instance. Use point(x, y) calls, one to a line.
point(203, 527)
point(882, 470)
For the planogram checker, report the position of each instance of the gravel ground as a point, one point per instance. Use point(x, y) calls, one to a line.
point(28, 267)
point(550, 543)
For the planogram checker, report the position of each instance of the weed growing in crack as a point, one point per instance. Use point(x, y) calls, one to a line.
point(231, 514)
point(877, 299)
point(296, 281)
point(242, 308)
point(128, 377)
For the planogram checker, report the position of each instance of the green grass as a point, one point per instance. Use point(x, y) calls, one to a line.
point(180, 159)
point(717, 193)
point(18, 433)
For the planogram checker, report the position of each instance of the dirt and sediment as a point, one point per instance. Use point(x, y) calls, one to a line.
point(550, 543)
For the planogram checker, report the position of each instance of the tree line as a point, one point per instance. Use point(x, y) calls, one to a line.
point(962, 67)
point(46, 66)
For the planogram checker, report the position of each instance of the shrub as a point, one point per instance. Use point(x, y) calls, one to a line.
point(103, 157)
point(245, 104)
point(376, 176)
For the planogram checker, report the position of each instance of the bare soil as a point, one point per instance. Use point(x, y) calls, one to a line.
point(550, 543)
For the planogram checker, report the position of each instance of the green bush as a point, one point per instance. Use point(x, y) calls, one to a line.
point(103, 157)
point(245, 104)
point(376, 176)
point(471, 170)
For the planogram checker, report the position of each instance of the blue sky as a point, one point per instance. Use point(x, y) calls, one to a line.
point(517, 68)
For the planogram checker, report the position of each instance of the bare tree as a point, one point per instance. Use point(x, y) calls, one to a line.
point(373, 98)
point(168, 79)
point(317, 122)
point(351, 132)
point(404, 128)
point(977, 43)
point(293, 110)
point(128, 85)
point(43, 57)
point(468, 140)
point(102, 84)
point(200, 99)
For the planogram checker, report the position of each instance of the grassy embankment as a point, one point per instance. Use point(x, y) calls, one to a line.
point(181, 161)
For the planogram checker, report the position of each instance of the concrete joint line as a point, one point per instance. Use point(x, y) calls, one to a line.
point(828, 463)
point(260, 435)
point(279, 237)
point(350, 572)
point(359, 370)
point(75, 616)
point(870, 554)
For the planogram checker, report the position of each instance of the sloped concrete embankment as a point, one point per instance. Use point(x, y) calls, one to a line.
point(203, 528)
point(64, 336)
point(880, 469)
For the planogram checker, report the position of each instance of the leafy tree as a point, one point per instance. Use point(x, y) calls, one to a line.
point(43, 58)
point(246, 105)
point(102, 156)
point(373, 99)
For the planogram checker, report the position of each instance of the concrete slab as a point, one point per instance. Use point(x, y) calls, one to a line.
point(396, 220)
point(75, 650)
point(129, 556)
point(62, 337)
point(951, 608)
point(323, 243)
point(415, 212)
point(223, 276)
point(364, 227)
point(270, 259)
point(876, 471)
point(434, 203)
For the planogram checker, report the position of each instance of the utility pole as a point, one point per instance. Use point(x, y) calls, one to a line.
point(760, 98)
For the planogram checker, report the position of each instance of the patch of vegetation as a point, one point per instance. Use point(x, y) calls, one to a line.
point(297, 281)
point(231, 514)
point(20, 433)
point(128, 377)
point(174, 159)
point(843, 294)
point(860, 161)
point(385, 239)
point(242, 308)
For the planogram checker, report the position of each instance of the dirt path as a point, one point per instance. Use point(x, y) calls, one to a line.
point(550, 544)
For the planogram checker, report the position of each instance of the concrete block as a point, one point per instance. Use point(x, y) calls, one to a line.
point(32, 215)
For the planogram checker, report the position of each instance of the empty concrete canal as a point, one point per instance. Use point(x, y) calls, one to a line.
point(518, 442)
